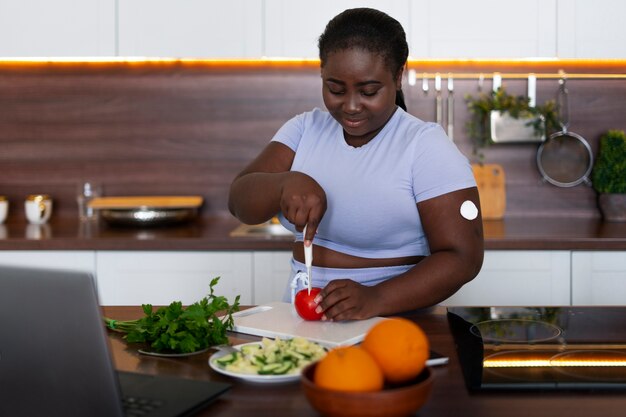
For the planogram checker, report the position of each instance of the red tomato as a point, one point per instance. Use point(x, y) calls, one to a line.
point(305, 306)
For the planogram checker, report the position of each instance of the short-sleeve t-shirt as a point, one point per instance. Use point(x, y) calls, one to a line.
point(372, 190)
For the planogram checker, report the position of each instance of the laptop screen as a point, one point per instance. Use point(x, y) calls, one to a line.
point(54, 348)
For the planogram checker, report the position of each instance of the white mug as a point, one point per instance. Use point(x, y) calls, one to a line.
point(4, 208)
point(38, 208)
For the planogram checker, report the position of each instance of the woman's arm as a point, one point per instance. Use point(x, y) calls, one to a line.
point(457, 250)
point(267, 186)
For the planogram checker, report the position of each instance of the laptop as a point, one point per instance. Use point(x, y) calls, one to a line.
point(55, 361)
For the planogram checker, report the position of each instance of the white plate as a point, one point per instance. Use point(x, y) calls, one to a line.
point(171, 355)
point(250, 377)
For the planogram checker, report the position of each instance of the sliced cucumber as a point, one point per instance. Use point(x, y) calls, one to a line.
point(273, 357)
point(269, 368)
point(228, 359)
point(283, 369)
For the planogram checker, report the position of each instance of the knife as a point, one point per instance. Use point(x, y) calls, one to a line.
point(308, 259)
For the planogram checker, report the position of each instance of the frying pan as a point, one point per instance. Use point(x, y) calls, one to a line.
point(565, 159)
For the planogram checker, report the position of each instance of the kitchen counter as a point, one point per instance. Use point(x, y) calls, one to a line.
point(448, 398)
point(213, 233)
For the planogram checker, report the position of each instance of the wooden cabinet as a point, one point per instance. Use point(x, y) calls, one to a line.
point(598, 278)
point(60, 28)
point(190, 28)
point(160, 277)
point(518, 278)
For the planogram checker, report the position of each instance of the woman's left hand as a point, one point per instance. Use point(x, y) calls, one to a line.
point(344, 299)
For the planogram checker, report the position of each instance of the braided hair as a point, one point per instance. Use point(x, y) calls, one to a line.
point(371, 30)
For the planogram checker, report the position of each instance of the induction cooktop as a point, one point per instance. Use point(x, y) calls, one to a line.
point(541, 348)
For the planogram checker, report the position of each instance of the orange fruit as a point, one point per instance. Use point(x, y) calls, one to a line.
point(399, 346)
point(348, 368)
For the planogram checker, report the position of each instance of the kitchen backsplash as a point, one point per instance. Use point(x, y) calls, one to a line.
point(170, 128)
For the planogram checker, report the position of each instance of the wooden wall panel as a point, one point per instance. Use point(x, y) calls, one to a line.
point(173, 129)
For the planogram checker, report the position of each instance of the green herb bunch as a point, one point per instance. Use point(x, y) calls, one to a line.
point(609, 171)
point(175, 329)
point(543, 118)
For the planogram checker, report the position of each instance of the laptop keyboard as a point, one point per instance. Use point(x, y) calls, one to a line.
point(136, 407)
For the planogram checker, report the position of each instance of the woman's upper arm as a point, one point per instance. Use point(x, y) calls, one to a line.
point(275, 157)
point(447, 230)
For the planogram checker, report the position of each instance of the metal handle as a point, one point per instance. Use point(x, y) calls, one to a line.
point(562, 104)
point(439, 104)
point(532, 90)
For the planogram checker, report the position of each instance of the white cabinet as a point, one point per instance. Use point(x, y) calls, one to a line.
point(292, 28)
point(591, 29)
point(66, 28)
point(507, 278)
point(515, 278)
point(483, 28)
point(71, 260)
point(271, 275)
point(160, 277)
point(599, 278)
point(191, 28)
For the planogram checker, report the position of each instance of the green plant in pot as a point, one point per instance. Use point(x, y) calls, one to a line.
point(609, 176)
point(542, 120)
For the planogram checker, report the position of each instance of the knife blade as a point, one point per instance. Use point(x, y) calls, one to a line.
point(308, 259)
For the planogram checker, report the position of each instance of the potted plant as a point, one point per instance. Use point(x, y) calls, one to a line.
point(609, 176)
point(488, 111)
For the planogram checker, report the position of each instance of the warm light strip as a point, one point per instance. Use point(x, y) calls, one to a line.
point(543, 363)
point(534, 363)
point(542, 68)
point(477, 75)
point(79, 60)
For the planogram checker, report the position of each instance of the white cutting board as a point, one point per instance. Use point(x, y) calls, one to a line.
point(281, 320)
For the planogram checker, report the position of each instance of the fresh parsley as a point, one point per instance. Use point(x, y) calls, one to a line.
point(175, 329)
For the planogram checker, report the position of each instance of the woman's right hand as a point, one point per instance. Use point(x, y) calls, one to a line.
point(303, 202)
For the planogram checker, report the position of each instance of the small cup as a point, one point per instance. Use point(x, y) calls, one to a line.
point(38, 208)
point(4, 208)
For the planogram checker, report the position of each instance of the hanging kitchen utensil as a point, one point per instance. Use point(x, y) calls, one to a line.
point(412, 77)
point(565, 159)
point(450, 100)
point(438, 100)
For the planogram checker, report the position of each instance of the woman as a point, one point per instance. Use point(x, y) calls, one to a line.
point(379, 190)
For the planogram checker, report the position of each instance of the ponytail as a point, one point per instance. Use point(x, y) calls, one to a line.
point(400, 100)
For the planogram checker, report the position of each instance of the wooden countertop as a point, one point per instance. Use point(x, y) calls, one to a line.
point(449, 396)
point(213, 233)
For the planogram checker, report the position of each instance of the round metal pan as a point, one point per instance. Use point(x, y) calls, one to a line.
point(145, 216)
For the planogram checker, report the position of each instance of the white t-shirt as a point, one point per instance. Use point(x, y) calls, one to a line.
point(372, 190)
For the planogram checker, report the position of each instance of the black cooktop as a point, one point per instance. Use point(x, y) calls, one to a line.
point(541, 348)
